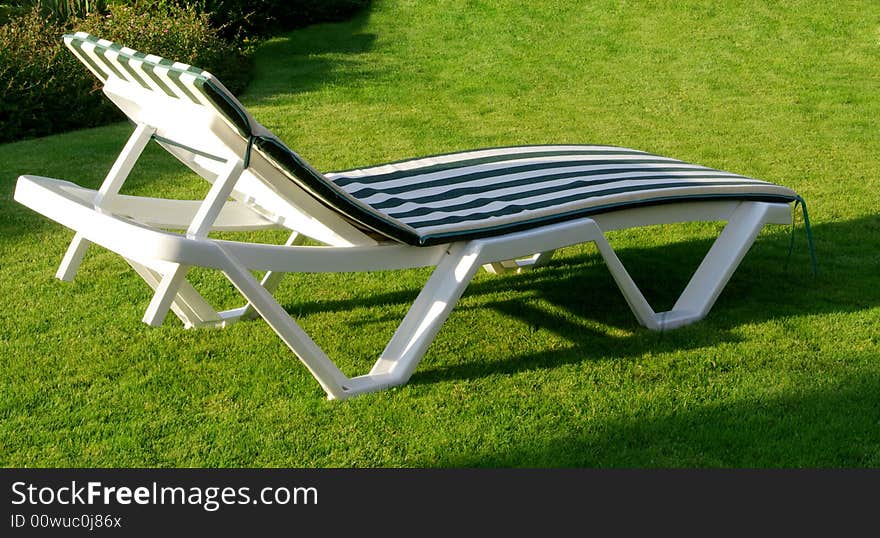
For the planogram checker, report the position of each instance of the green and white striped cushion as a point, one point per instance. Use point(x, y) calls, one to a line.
point(489, 191)
point(456, 196)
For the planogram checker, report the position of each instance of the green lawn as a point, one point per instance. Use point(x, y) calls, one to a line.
point(542, 369)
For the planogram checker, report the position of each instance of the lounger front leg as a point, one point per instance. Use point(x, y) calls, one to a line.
point(331, 378)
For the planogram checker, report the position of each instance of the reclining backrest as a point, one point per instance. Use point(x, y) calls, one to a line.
point(200, 122)
point(187, 105)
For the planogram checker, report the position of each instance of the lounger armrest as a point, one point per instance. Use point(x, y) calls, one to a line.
point(57, 200)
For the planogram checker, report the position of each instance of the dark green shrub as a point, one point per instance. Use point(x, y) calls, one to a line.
point(254, 18)
point(46, 90)
point(43, 88)
point(8, 12)
point(63, 10)
point(180, 34)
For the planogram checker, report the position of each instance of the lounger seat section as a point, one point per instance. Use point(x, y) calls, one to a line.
point(488, 192)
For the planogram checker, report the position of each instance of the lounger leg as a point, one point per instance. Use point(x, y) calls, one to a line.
point(631, 292)
point(710, 277)
point(167, 290)
point(270, 281)
point(72, 258)
point(322, 368)
point(407, 346)
point(188, 305)
point(718, 266)
point(424, 319)
point(112, 183)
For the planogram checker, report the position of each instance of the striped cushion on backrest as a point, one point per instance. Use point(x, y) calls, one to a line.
point(181, 81)
point(177, 80)
point(449, 197)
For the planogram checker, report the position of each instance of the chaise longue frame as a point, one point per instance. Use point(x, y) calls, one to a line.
point(201, 134)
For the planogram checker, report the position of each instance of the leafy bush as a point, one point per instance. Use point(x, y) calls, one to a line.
point(46, 90)
point(254, 18)
point(176, 33)
point(67, 9)
point(8, 12)
point(43, 88)
point(60, 10)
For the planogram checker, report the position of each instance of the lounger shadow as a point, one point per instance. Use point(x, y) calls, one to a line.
point(504, 209)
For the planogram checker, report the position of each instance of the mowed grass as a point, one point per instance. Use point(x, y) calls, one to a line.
point(544, 369)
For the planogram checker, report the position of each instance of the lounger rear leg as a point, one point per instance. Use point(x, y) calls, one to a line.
point(110, 187)
point(270, 281)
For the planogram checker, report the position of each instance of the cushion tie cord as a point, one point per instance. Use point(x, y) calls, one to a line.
point(799, 201)
point(250, 144)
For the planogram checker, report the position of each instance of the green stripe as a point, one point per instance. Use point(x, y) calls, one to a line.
point(477, 202)
point(78, 45)
point(514, 209)
point(101, 50)
point(340, 178)
point(147, 68)
point(124, 62)
point(174, 75)
point(545, 220)
point(195, 71)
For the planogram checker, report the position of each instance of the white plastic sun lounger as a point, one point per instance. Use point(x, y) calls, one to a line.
point(501, 208)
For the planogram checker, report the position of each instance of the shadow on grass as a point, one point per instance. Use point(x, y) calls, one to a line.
point(576, 299)
point(309, 58)
point(837, 425)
